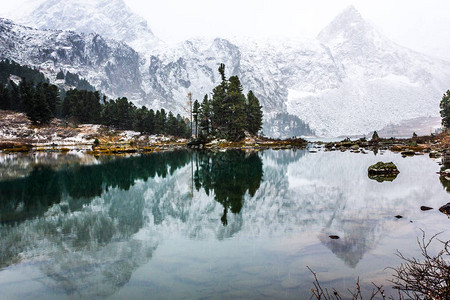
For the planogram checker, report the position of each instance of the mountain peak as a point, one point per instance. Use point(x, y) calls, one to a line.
point(348, 25)
point(110, 18)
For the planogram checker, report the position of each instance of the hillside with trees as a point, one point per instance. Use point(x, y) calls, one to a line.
point(42, 101)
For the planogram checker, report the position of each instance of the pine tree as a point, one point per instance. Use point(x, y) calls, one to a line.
point(172, 124)
point(235, 110)
point(445, 109)
point(375, 136)
point(39, 111)
point(205, 117)
point(254, 114)
point(60, 75)
point(5, 97)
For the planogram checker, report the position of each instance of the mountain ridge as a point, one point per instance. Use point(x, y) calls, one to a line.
point(349, 80)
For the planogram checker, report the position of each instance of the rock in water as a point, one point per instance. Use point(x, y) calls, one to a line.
point(425, 208)
point(383, 171)
point(445, 209)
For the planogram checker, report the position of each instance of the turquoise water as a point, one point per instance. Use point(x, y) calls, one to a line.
point(193, 225)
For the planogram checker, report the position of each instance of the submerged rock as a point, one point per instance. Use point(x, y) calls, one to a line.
point(383, 171)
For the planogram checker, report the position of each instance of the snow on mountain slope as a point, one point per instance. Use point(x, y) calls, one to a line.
point(111, 19)
point(383, 83)
point(111, 66)
point(350, 80)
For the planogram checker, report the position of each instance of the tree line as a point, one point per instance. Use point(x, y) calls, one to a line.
point(227, 114)
point(41, 101)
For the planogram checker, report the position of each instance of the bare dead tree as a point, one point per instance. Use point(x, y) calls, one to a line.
point(426, 278)
point(322, 293)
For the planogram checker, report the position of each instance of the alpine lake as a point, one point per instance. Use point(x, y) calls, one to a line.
point(201, 225)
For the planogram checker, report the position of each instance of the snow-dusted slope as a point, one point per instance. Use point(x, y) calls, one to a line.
point(111, 66)
point(111, 19)
point(350, 80)
point(383, 82)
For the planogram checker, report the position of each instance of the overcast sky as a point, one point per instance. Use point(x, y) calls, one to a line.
point(421, 25)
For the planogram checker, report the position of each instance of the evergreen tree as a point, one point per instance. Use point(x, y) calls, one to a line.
point(219, 109)
point(254, 114)
point(172, 125)
point(158, 125)
point(125, 111)
point(60, 75)
point(445, 109)
point(150, 122)
point(163, 120)
point(5, 97)
point(41, 109)
point(375, 136)
point(205, 117)
point(235, 110)
point(140, 120)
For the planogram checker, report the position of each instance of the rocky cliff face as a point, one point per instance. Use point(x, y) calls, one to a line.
point(111, 66)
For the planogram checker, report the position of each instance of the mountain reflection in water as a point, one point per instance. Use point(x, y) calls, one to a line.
point(105, 229)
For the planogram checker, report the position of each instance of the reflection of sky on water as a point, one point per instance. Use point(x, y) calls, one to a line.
point(164, 238)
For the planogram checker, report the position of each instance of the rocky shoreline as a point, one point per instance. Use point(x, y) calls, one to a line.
point(19, 135)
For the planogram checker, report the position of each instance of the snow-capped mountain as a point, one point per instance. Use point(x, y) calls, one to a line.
point(382, 83)
point(111, 66)
point(111, 19)
point(349, 80)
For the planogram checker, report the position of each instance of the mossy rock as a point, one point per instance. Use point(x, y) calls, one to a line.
point(383, 171)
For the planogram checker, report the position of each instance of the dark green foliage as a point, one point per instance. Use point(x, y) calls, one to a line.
point(205, 118)
point(72, 79)
point(83, 105)
point(229, 175)
point(8, 68)
point(254, 114)
point(41, 101)
point(229, 113)
point(123, 114)
point(5, 97)
point(45, 186)
point(40, 111)
point(375, 136)
point(445, 109)
point(60, 75)
point(79, 83)
point(83, 84)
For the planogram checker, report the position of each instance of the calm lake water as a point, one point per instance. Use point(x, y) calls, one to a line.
point(193, 225)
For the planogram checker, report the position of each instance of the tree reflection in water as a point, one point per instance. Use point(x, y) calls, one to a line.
point(229, 175)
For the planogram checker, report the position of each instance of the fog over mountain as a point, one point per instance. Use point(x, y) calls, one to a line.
point(349, 80)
